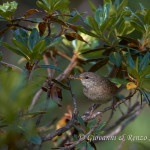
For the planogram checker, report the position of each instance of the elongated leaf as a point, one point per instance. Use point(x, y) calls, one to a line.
point(106, 10)
point(34, 38)
point(145, 96)
point(92, 6)
point(50, 66)
point(78, 129)
point(147, 18)
point(41, 5)
point(15, 50)
point(21, 47)
point(115, 58)
point(137, 26)
point(121, 6)
point(93, 24)
point(39, 47)
point(98, 65)
point(99, 16)
point(118, 81)
point(34, 20)
point(130, 60)
point(145, 72)
point(81, 122)
point(144, 62)
point(83, 30)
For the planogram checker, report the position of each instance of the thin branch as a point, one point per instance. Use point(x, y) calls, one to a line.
point(47, 63)
point(69, 68)
point(20, 26)
point(73, 98)
point(11, 66)
point(35, 98)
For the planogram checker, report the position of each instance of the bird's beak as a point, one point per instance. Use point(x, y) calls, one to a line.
point(74, 77)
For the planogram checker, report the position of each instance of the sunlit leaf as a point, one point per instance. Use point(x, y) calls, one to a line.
point(131, 85)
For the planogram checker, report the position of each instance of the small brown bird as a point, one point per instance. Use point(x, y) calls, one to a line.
point(97, 88)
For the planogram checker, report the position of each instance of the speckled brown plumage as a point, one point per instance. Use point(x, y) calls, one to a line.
point(98, 89)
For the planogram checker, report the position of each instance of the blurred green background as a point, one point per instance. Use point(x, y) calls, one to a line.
point(139, 127)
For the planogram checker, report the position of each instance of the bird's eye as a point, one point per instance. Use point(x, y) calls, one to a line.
point(86, 77)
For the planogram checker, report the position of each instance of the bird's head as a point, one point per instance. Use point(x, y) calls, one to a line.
point(88, 79)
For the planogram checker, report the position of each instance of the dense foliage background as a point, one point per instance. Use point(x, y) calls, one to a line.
point(43, 42)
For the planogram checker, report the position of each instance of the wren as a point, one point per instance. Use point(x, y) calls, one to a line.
point(97, 88)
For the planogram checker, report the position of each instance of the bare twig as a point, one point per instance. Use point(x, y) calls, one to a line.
point(35, 98)
point(69, 68)
point(73, 98)
point(47, 63)
point(11, 66)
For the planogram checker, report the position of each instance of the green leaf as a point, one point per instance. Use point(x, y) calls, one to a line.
point(36, 140)
point(99, 127)
point(146, 17)
point(130, 60)
point(54, 42)
point(121, 6)
point(145, 61)
point(50, 66)
point(99, 16)
point(83, 30)
point(36, 20)
point(137, 26)
point(34, 38)
point(21, 47)
point(118, 81)
point(106, 10)
point(21, 35)
point(145, 96)
point(8, 9)
point(39, 47)
point(115, 58)
point(15, 50)
point(79, 129)
point(81, 122)
point(92, 6)
point(41, 5)
point(137, 64)
point(145, 72)
point(93, 24)
point(125, 28)
point(109, 23)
